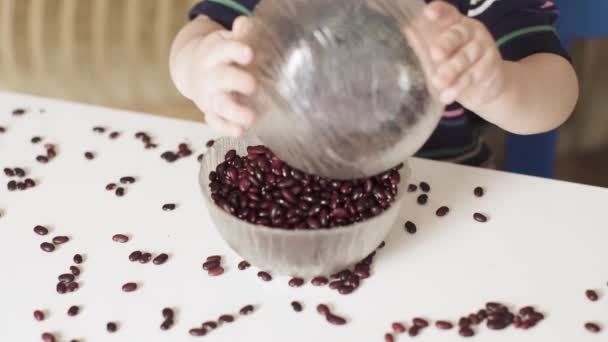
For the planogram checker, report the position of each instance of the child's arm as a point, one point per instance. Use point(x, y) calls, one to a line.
point(534, 94)
point(202, 64)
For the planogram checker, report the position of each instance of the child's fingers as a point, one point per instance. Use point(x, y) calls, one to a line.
point(228, 109)
point(449, 71)
point(451, 40)
point(442, 15)
point(228, 51)
point(450, 95)
point(230, 78)
point(486, 74)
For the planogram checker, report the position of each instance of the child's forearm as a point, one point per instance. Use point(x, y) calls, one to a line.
point(539, 94)
point(183, 50)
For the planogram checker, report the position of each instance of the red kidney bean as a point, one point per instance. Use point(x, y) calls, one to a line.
point(89, 155)
point(494, 307)
point(120, 192)
point(296, 282)
point(243, 265)
point(39, 315)
point(77, 259)
point(442, 211)
point(73, 310)
point(246, 310)
point(111, 327)
point(198, 332)
point(40, 230)
point(11, 186)
point(58, 240)
point(19, 172)
point(169, 207)
point(464, 322)
point(413, 331)
point(480, 217)
point(214, 257)
point(166, 324)
point(66, 278)
point(322, 309)
point(110, 186)
point(345, 289)
point(71, 287)
point(226, 319)
point(334, 319)
point(592, 295)
point(61, 288)
point(425, 187)
point(410, 227)
point(398, 327)
point(478, 191)
point(47, 247)
point(537, 316)
point(114, 135)
point(48, 337)
point(167, 313)
point(592, 327)
point(129, 287)
point(120, 238)
point(296, 306)
point(466, 332)
point(30, 183)
point(265, 276)
point(216, 271)
point(9, 172)
point(422, 199)
point(526, 310)
point(319, 281)
point(473, 319)
point(99, 129)
point(127, 180)
point(211, 264)
point(444, 325)
point(210, 325)
point(420, 322)
point(388, 337)
point(75, 270)
point(134, 256)
point(160, 259)
point(334, 285)
point(210, 143)
point(145, 258)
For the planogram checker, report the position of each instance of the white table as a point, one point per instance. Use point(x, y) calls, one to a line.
point(545, 244)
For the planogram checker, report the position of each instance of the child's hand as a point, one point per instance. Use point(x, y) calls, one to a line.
point(215, 78)
point(468, 66)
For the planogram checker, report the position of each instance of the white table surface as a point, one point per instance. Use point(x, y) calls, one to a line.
point(545, 244)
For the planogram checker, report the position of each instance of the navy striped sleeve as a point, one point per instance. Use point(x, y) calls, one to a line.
point(223, 12)
point(521, 27)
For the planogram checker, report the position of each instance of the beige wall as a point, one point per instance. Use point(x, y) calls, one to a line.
point(115, 52)
point(109, 52)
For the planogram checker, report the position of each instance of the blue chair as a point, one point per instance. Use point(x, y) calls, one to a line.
point(535, 154)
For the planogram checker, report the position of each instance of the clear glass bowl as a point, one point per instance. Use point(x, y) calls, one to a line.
point(341, 92)
point(303, 253)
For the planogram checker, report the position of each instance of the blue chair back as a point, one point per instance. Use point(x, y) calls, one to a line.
point(582, 19)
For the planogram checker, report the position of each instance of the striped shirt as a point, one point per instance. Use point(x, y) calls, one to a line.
point(520, 27)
